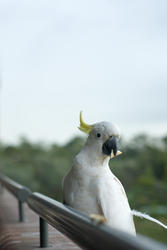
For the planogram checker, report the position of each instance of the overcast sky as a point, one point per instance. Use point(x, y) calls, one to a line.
point(107, 58)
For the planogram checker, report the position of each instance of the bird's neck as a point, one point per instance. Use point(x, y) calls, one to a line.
point(90, 157)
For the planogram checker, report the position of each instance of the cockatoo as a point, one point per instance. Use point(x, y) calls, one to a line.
point(91, 187)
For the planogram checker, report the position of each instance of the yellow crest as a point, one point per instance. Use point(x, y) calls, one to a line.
point(83, 126)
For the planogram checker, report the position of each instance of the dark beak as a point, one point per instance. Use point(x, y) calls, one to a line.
point(109, 145)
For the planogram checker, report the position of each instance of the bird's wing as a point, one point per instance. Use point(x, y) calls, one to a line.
point(114, 205)
point(111, 198)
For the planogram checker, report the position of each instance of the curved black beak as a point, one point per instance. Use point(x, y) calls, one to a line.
point(109, 145)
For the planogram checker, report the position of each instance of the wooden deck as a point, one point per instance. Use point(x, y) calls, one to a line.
point(25, 235)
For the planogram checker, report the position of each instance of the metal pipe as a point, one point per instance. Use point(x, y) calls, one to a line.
point(87, 234)
point(21, 211)
point(1, 188)
point(19, 191)
point(43, 233)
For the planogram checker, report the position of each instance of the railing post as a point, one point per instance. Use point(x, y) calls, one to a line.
point(21, 211)
point(1, 188)
point(43, 232)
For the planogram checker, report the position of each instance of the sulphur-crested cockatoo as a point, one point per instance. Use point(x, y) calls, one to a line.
point(91, 187)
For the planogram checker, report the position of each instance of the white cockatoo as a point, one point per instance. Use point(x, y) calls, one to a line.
point(91, 187)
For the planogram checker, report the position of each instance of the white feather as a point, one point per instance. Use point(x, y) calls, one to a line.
point(147, 217)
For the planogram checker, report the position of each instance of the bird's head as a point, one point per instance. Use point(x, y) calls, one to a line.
point(102, 136)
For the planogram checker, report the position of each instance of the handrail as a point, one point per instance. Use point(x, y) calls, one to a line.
point(83, 231)
point(20, 192)
point(78, 227)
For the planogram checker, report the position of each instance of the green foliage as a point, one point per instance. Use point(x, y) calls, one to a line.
point(142, 169)
point(38, 166)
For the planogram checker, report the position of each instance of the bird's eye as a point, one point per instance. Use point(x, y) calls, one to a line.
point(98, 135)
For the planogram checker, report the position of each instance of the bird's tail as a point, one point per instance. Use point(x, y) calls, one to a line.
point(147, 217)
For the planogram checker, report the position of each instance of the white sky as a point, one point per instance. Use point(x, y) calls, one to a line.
point(107, 58)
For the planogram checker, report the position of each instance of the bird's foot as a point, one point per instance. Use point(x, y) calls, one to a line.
point(98, 218)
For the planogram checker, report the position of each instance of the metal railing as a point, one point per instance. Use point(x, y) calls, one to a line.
point(20, 192)
point(75, 225)
point(83, 231)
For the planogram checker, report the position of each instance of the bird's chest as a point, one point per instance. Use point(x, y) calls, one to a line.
point(82, 190)
point(86, 181)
